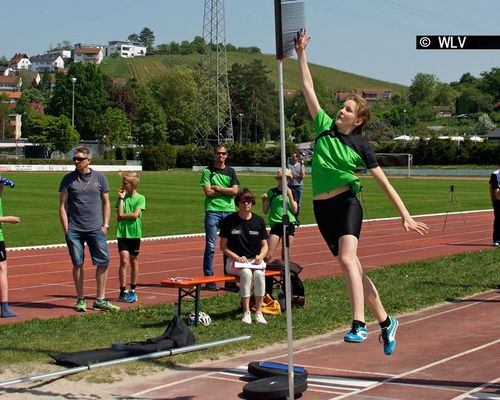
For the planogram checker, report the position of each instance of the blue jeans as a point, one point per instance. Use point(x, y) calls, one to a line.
point(98, 247)
point(212, 222)
point(297, 196)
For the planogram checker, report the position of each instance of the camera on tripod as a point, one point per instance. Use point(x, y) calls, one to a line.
point(452, 198)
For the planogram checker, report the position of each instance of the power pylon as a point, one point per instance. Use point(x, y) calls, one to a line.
point(214, 122)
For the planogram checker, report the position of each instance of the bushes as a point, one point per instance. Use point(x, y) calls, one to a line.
point(241, 155)
point(444, 152)
point(156, 158)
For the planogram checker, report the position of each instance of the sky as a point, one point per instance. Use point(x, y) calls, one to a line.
point(373, 38)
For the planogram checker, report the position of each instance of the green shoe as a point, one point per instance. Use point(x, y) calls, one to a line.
point(104, 305)
point(81, 305)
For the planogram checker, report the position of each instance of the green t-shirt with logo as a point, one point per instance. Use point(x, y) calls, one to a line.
point(337, 156)
point(131, 228)
point(226, 178)
point(275, 197)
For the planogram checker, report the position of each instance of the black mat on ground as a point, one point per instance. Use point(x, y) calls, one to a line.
point(177, 334)
point(274, 387)
point(264, 369)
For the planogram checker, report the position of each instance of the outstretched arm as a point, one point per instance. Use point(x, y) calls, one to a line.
point(408, 222)
point(301, 41)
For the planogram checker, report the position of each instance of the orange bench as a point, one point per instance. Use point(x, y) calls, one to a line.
point(190, 287)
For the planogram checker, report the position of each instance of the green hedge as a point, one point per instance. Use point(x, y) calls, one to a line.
point(250, 154)
point(444, 152)
point(158, 158)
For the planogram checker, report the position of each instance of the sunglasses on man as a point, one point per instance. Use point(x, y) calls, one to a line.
point(79, 158)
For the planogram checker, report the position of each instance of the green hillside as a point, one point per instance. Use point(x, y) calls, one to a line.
point(145, 68)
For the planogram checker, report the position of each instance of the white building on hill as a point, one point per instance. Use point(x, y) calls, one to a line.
point(124, 49)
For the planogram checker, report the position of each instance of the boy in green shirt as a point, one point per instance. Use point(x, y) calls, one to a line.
point(129, 210)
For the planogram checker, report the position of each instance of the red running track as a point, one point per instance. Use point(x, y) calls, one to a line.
point(41, 283)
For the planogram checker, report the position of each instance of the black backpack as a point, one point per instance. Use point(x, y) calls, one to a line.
point(297, 287)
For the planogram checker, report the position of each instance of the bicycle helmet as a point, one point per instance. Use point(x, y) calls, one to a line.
point(203, 318)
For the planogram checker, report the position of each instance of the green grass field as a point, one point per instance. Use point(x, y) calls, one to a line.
point(175, 202)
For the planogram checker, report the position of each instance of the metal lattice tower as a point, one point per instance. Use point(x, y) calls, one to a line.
point(213, 116)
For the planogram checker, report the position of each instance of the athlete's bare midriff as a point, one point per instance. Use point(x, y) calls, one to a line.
point(332, 193)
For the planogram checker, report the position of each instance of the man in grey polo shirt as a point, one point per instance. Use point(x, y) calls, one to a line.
point(84, 211)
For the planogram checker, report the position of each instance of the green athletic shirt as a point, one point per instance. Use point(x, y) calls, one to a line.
point(276, 207)
point(337, 156)
point(131, 228)
point(1, 225)
point(226, 178)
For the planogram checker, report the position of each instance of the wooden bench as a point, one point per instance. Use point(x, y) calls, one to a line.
point(190, 287)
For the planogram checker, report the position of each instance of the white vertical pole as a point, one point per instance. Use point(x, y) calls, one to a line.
point(288, 291)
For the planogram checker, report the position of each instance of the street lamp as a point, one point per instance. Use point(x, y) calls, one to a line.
point(241, 124)
point(404, 122)
point(73, 80)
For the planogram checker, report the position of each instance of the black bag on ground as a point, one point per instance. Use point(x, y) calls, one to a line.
point(177, 334)
point(297, 286)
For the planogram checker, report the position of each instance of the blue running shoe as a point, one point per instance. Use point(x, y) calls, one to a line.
point(123, 296)
point(131, 297)
point(388, 336)
point(356, 335)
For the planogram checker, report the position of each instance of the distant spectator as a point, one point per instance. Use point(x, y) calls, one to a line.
point(297, 168)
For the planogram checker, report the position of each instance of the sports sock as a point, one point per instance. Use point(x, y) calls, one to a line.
point(5, 311)
point(385, 324)
point(356, 323)
point(132, 287)
point(123, 290)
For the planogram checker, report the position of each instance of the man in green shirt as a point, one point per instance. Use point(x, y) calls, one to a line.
point(220, 185)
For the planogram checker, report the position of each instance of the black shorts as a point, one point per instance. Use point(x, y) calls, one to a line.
point(3, 251)
point(338, 216)
point(131, 245)
point(277, 230)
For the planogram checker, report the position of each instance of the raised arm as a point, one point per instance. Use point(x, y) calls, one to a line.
point(265, 203)
point(306, 80)
point(408, 222)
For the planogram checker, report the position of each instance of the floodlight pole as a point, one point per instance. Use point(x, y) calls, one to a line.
point(288, 291)
point(404, 123)
point(241, 128)
point(73, 80)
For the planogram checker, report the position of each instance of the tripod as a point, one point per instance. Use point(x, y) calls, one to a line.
point(452, 198)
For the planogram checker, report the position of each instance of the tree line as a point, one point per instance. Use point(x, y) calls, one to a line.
point(163, 110)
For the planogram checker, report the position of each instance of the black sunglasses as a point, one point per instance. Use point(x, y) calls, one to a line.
point(79, 158)
point(221, 153)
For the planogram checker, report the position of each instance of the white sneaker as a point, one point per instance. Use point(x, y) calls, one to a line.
point(259, 318)
point(247, 318)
